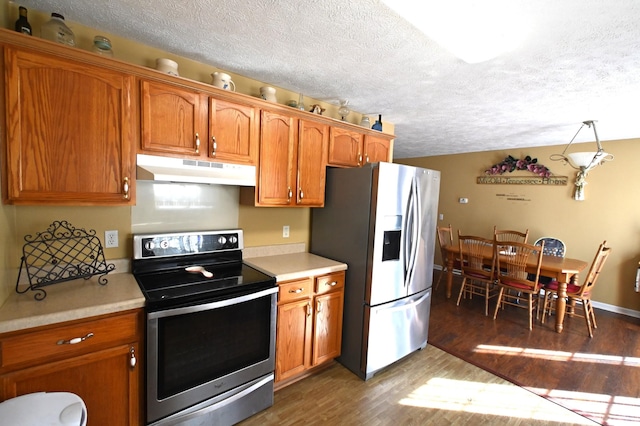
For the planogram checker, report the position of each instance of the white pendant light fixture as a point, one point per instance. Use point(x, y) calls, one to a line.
point(583, 162)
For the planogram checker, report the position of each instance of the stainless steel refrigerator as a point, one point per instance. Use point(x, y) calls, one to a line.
point(381, 221)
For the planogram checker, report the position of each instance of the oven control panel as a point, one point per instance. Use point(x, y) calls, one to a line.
point(186, 243)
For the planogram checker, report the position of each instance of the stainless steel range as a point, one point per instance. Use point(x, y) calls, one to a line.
point(211, 323)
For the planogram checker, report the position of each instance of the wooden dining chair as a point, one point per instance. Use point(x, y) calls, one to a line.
point(510, 235)
point(580, 294)
point(445, 238)
point(478, 276)
point(511, 266)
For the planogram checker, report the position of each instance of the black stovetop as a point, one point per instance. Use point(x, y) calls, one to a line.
point(160, 262)
point(168, 284)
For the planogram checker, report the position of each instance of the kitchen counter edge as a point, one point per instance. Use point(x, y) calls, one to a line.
point(72, 300)
point(293, 266)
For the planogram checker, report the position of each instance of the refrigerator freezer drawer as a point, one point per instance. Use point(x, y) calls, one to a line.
point(395, 330)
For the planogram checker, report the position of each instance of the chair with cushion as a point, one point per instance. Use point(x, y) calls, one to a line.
point(478, 277)
point(510, 235)
point(581, 294)
point(511, 264)
point(445, 238)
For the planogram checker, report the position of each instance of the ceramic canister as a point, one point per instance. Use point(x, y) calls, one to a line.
point(167, 66)
point(268, 93)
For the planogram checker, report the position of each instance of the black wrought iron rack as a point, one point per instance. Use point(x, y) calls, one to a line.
point(61, 253)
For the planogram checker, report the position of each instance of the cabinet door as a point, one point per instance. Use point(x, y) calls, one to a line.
point(293, 338)
point(327, 334)
point(69, 131)
point(174, 119)
point(233, 132)
point(105, 380)
point(312, 163)
point(345, 148)
point(277, 177)
point(376, 149)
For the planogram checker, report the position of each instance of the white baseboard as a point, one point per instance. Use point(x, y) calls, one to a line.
point(599, 305)
point(616, 309)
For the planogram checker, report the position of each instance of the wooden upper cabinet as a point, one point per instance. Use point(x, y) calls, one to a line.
point(376, 149)
point(293, 159)
point(277, 176)
point(174, 119)
point(313, 140)
point(345, 148)
point(69, 136)
point(233, 132)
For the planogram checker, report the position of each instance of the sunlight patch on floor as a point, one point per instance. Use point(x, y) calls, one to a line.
point(489, 398)
point(559, 355)
point(606, 409)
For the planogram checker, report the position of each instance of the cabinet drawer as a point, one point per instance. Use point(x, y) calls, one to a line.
point(295, 290)
point(54, 343)
point(330, 282)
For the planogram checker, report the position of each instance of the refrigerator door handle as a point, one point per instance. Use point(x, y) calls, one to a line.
point(413, 222)
point(404, 306)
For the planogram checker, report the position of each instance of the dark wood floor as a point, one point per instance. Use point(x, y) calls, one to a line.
point(598, 377)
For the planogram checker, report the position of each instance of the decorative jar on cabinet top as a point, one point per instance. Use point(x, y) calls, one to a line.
point(56, 30)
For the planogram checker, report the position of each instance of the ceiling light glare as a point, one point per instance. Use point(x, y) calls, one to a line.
point(474, 31)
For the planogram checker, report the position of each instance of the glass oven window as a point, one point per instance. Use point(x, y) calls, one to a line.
point(199, 347)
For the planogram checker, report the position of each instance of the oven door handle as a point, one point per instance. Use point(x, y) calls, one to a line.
point(212, 305)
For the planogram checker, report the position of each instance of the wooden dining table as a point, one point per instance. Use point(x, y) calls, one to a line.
point(564, 269)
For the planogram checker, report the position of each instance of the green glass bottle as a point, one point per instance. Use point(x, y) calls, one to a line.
point(22, 24)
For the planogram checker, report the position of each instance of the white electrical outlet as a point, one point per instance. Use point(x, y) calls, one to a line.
point(111, 239)
point(285, 231)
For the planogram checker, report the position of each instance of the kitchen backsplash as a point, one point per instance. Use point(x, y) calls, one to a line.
point(169, 207)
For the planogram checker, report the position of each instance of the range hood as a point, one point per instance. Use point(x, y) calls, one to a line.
point(166, 169)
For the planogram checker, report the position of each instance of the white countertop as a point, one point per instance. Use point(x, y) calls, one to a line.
point(286, 267)
point(71, 300)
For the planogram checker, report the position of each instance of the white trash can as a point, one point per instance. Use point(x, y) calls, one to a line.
point(44, 408)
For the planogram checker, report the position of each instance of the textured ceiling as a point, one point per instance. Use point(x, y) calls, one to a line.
point(580, 60)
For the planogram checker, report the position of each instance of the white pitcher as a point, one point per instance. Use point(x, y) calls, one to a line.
point(223, 81)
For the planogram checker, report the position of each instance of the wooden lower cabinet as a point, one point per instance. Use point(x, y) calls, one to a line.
point(104, 369)
point(309, 330)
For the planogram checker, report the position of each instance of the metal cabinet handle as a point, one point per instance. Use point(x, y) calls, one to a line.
point(197, 143)
point(75, 340)
point(318, 306)
point(132, 360)
point(367, 158)
point(125, 188)
point(297, 290)
point(289, 194)
point(214, 144)
point(359, 159)
point(301, 194)
point(332, 283)
point(308, 309)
